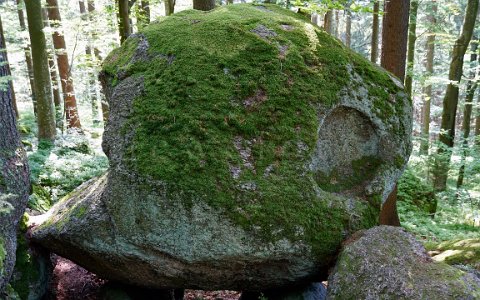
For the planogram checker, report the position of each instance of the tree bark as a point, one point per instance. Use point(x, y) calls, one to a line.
point(394, 49)
point(123, 20)
point(14, 175)
point(412, 38)
point(43, 88)
point(394, 36)
point(375, 31)
point(427, 90)
point(204, 5)
point(28, 57)
point(467, 112)
point(169, 7)
point(4, 61)
point(328, 22)
point(450, 101)
point(70, 102)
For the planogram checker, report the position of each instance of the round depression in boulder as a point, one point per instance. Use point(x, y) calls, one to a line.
point(347, 154)
point(223, 172)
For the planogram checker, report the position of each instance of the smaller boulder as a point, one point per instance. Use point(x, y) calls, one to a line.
point(388, 263)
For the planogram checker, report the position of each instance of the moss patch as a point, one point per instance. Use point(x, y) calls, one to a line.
point(238, 73)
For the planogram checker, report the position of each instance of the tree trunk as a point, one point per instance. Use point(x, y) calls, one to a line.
point(450, 101)
point(348, 25)
point(43, 88)
point(328, 22)
point(467, 112)
point(14, 175)
point(337, 23)
point(477, 123)
point(169, 7)
point(412, 38)
point(394, 49)
point(57, 98)
point(204, 5)
point(70, 102)
point(375, 31)
point(427, 90)
point(28, 57)
point(394, 36)
point(4, 61)
point(143, 13)
point(91, 59)
point(123, 20)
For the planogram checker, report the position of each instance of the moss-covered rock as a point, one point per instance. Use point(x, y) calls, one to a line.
point(416, 194)
point(244, 144)
point(388, 263)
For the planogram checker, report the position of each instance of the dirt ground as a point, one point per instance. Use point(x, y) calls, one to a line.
point(72, 282)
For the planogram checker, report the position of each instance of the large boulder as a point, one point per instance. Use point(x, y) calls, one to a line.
point(244, 144)
point(386, 262)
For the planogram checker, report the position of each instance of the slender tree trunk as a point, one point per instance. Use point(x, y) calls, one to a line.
point(169, 7)
point(427, 90)
point(57, 98)
point(143, 13)
point(91, 58)
point(412, 38)
point(204, 5)
point(477, 123)
point(467, 112)
point(394, 49)
point(450, 101)
point(14, 175)
point(375, 31)
point(337, 23)
point(71, 110)
point(28, 57)
point(4, 61)
point(348, 25)
point(123, 20)
point(43, 88)
point(328, 22)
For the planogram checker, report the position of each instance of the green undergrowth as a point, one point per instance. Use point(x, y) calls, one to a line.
point(416, 194)
point(214, 89)
point(3, 256)
point(455, 213)
point(58, 168)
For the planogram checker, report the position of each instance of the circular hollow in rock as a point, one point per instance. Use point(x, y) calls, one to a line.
point(347, 151)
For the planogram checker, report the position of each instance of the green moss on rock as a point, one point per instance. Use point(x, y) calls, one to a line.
point(239, 73)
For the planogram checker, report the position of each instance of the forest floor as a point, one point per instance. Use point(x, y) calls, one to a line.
point(72, 282)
